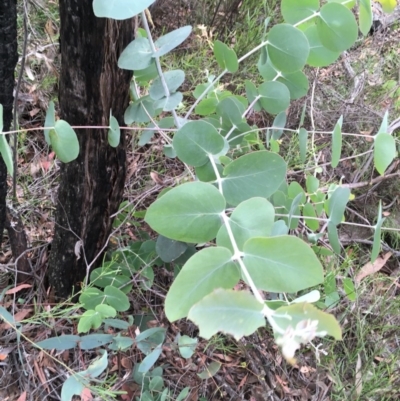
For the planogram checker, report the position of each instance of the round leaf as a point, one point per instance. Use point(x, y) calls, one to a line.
point(171, 40)
point(282, 264)
point(187, 345)
point(205, 271)
point(64, 141)
point(254, 174)
point(337, 27)
point(226, 57)
point(168, 249)
point(188, 213)
point(296, 82)
point(136, 56)
point(287, 47)
point(294, 11)
point(173, 79)
point(232, 312)
point(319, 55)
point(121, 9)
point(195, 141)
point(246, 224)
point(275, 97)
point(114, 132)
point(169, 103)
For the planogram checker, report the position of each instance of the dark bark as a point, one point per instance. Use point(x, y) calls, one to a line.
point(91, 187)
point(8, 61)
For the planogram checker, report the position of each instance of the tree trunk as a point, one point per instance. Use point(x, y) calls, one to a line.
point(8, 61)
point(91, 187)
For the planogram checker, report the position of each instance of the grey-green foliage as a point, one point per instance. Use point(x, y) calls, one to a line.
point(238, 190)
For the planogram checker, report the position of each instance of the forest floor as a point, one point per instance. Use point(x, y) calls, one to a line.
point(364, 366)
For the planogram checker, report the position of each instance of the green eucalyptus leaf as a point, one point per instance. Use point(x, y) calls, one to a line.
point(225, 56)
point(275, 97)
point(121, 9)
point(74, 385)
point(169, 103)
point(168, 249)
point(195, 141)
point(49, 122)
point(211, 370)
point(173, 80)
point(288, 48)
point(60, 343)
point(114, 132)
point(309, 211)
point(337, 204)
point(282, 264)
point(384, 151)
point(333, 237)
point(296, 82)
point(150, 359)
point(252, 94)
point(304, 322)
point(384, 124)
point(237, 313)
point(206, 107)
point(294, 11)
point(171, 40)
point(246, 224)
point(230, 110)
point(337, 27)
point(96, 340)
point(294, 210)
point(299, 312)
point(141, 111)
point(254, 174)
point(205, 271)
point(64, 141)
point(147, 74)
point(365, 16)
point(278, 124)
point(136, 56)
point(6, 151)
point(312, 184)
point(319, 55)
point(279, 228)
point(189, 213)
point(183, 394)
point(337, 143)
point(98, 366)
point(187, 346)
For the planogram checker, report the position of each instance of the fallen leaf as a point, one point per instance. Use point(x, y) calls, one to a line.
point(19, 288)
point(22, 397)
point(371, 268)
point(86, 395)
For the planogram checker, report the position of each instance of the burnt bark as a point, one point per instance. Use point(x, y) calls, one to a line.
point(8, 61)
point(91, 187)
